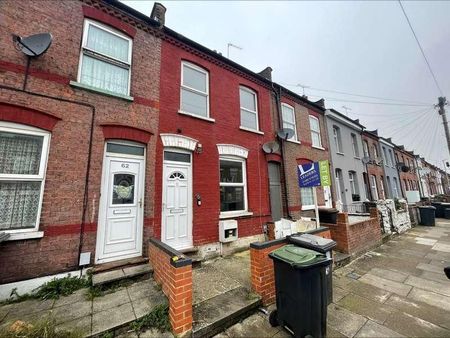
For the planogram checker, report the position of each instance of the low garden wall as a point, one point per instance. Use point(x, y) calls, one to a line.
point(394, 219)
point(356, 237)
point(261, 266)
point(173, 271)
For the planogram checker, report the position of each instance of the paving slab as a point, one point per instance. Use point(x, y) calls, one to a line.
point(395, 276)
point(112, 318)
point(70, 312)
point(344, 321)
point(27, 307)
point(366, 290)
point(425, 241)
point(386, 284)
point(332, 333)
point(256, 325)
point(107, 277)
point(367, 308)
point(143, 289)
point(411, 326)
point(110, 300)
point(375, 330)
point(436, 255)
point(77, 296)
point(441, 247)
point(339, 293)
point(137, 270)
point(429, 267)
point(429, 285)
point(144, 305)
point(422, 310)
point(82, 325)
point(437, 277)
point(430, 298)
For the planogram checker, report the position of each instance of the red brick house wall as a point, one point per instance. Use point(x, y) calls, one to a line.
point(50, 74)
point(372, 167)
point(296, 153)
point(224, 107)
point(410, 176)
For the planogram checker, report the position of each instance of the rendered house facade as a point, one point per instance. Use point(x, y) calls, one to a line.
point(391, 176)
point(346, 149)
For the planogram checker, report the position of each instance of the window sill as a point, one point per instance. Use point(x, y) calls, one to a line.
point(294, 141)
point(235, 214)
point(251, 130)
point(197, 116)
point(339, 153)
point(17, 236)
point(308, 207)
point(357, 158)
point(320, 148)
point(100, 91)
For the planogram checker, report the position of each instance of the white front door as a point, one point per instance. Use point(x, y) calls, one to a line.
point(177, 200)
point(327, 196)
point(121, 208)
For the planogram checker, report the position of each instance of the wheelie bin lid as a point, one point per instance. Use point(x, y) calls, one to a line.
point(312, 242)
point(427, 207)
point(298, 257)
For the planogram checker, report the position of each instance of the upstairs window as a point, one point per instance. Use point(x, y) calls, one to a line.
point(386, 159)
point(194, 90)
point(355, 145)
point(391, 158)
point(337, 139)
point(375, 151)
point(249, 108)
point(307, 198)
point(23, 159)
point(105, 59)
point(366, 149)
point(315, 131)
point(288, 115)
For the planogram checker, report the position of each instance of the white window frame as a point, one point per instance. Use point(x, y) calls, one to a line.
point(386, 159)
point(391, 158)
point(375, 151)
point(373, 187)
point(354, 145)
point(255, 97)
point(294, 138)
point(351, 179)
point(243, 161)
point(195, 91)
point(366, 149)
point(40, 177)
point(337, 139)
point(307, 206)
point(105, 58)
point(316, 132)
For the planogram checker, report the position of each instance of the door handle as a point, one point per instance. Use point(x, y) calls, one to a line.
point(140, 202)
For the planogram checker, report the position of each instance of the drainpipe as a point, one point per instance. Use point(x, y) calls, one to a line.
point(282, 149)
point(88, 165)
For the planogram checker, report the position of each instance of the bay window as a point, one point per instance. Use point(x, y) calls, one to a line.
point(233, 185)
point(23, 160)
point(194, 90)
point(105, 60)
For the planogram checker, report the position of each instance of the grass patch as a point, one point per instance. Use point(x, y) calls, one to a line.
point(50, 290)
point(40, 329)
point(158, 318)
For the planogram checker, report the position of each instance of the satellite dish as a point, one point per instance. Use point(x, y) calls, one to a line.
point(270, 147)
point(365, 160)
point(33, 45)
point(404, 168)
point(379, 161)
point(285, 133)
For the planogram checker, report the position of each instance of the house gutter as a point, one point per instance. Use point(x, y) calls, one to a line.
point(89, 159)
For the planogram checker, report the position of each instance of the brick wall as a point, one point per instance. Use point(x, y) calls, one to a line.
point(261, 266)
point(50, 74)
point(175, 278)
point(356, 237)
point(409, 176)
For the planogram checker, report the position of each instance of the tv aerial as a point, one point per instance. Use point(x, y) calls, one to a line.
point(270, 147)
point(285, 133)
point(32, 46)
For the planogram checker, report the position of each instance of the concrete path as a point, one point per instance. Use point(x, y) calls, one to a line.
point(396, 290)
point(91, 317)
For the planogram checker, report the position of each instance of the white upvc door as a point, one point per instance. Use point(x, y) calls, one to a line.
point(177, 204)
point(328, 196)
point(121, 209)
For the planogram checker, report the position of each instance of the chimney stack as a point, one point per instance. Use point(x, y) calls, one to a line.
point(266, 73)
point(159, 13)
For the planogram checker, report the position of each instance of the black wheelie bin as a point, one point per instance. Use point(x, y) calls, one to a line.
point(427, 215)
point(322, 245)
point(301, 290)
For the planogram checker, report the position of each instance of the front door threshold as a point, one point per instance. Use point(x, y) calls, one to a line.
point(101, 267)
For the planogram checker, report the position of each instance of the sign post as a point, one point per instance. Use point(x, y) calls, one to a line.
point(313, 175)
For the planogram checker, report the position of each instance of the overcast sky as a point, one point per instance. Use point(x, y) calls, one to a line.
point(362, 48)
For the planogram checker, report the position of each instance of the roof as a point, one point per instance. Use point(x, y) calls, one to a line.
point(346, 118)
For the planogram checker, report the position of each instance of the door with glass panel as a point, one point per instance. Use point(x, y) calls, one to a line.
point(121, 204)
point(275, 191)
point(177, 200)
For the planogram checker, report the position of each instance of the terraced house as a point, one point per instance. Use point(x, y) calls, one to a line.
point(374, 165)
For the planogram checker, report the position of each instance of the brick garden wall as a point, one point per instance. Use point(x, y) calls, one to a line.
point(356, 237)
point(175, 278)
point(50, 74)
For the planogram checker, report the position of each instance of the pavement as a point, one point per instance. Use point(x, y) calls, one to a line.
point(396, 290)
point(90, 317)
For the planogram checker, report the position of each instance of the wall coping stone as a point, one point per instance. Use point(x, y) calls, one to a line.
point(182, 259)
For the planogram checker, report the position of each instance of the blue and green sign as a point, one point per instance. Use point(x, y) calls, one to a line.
point(314, 174)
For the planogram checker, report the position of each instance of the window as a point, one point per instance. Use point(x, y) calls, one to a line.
point(105, 59)
point(375, 151)
point(288, 116)
point(339, 183)
point(23, 159)
point(366, 149)
point(391, 158)
point(337, 139)
point(373, 187)
point(386, 160)
point(307, 197)
point(315, 131)
point(249, 108)
point(383, 194)
point(353, 186)
point(355, 145)
point(389, 186)
point(233, 185)
point(395, 187)
point(194, 90)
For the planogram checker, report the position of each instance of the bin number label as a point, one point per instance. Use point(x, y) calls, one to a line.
point(125, 165)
